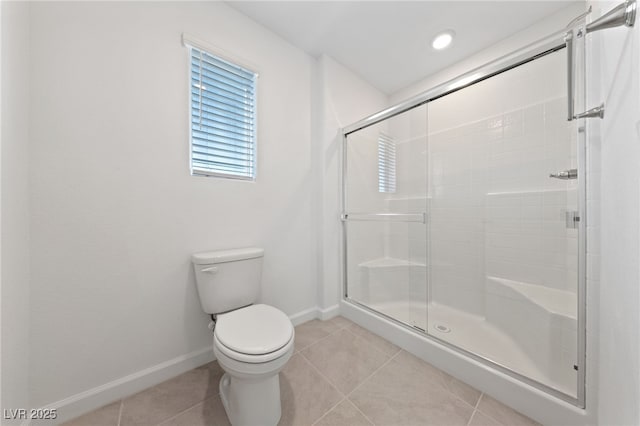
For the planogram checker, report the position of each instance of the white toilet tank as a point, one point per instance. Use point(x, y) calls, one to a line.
point(228, 279)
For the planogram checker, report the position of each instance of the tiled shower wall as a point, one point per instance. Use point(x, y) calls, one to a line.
point(409, 240)
point(478, 162)
point(494, 211)
point(366, 239)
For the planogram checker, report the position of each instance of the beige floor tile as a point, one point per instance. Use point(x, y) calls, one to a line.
point(345, 359)
point(503, 414)
point(341, 322)
point(305, 394)
point(338, 358)
point(460, 389)
point(376, 341)
point(169, 398)
point(401, 394)
point(104, 416)
point(344, 414)
point(312, 331)
point(207, 413)
point(480, 419)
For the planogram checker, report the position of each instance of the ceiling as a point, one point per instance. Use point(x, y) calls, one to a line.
point(388, 43)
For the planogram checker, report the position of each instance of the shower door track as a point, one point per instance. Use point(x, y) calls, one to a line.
point(543, 47)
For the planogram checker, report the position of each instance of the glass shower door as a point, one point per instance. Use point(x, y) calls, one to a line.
point(385, 217)
point(503, 246)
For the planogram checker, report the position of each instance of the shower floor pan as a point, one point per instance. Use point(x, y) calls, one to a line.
point(528, 328)
point(478, 335)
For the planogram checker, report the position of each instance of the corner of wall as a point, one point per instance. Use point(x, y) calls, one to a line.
point(342, 98)
point(317, 174)
point(14, 217)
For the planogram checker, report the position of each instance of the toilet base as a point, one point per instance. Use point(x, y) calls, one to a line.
point(251, 402)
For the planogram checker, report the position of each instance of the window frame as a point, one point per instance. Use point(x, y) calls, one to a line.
point(191, 42)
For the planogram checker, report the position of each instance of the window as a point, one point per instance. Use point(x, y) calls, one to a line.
point(223, 117)
point(386, 163)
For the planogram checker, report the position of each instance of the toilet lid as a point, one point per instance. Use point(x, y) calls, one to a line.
point(254, 330)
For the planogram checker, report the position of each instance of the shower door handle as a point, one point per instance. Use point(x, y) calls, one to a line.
point(385, 217)
point(568, 40)
point(565, 174)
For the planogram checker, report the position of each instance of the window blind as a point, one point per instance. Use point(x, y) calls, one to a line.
point(223, 117)
point(386, 163)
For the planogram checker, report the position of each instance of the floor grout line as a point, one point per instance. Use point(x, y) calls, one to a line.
point(320, 339)
point(475, 409)
point(363, 380)
point(120, 411)
point(360, 411)
point(444, 387)
point(374, 372)
point(175, 415)
point(471, 418)
point(344, 395)
point(489, 415)
point(344, 398)
point(478, 401)
point(391, 357)
point(185, 410)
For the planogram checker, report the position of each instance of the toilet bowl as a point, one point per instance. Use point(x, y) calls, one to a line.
point(252, 345)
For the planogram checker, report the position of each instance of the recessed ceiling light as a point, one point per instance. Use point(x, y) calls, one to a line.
point(443, 40)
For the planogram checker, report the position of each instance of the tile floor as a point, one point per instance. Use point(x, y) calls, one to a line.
point(340, 374)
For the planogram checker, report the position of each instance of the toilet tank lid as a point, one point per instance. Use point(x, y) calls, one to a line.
point(221, 256)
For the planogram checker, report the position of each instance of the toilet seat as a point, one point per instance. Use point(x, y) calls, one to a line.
point(254, 334)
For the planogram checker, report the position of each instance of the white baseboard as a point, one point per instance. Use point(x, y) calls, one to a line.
point(315, 313)
point(304, 316)
point(84, 402)
point(99, 396)
point(328, 313)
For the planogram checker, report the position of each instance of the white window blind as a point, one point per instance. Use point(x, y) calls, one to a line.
point(223, 117)
point(386, 163)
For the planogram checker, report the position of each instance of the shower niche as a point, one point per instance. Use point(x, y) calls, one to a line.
point(454, 226)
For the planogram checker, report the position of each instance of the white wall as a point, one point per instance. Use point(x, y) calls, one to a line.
point(15, 205)
point(115, 214)
point(344, 98)
point(614, 238)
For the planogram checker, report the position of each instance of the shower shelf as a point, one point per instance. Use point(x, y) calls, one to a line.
point(385, 217)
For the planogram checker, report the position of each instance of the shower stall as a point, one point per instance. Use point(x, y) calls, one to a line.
point(464, 216)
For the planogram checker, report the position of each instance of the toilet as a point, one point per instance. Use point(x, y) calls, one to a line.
point(252, 342)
